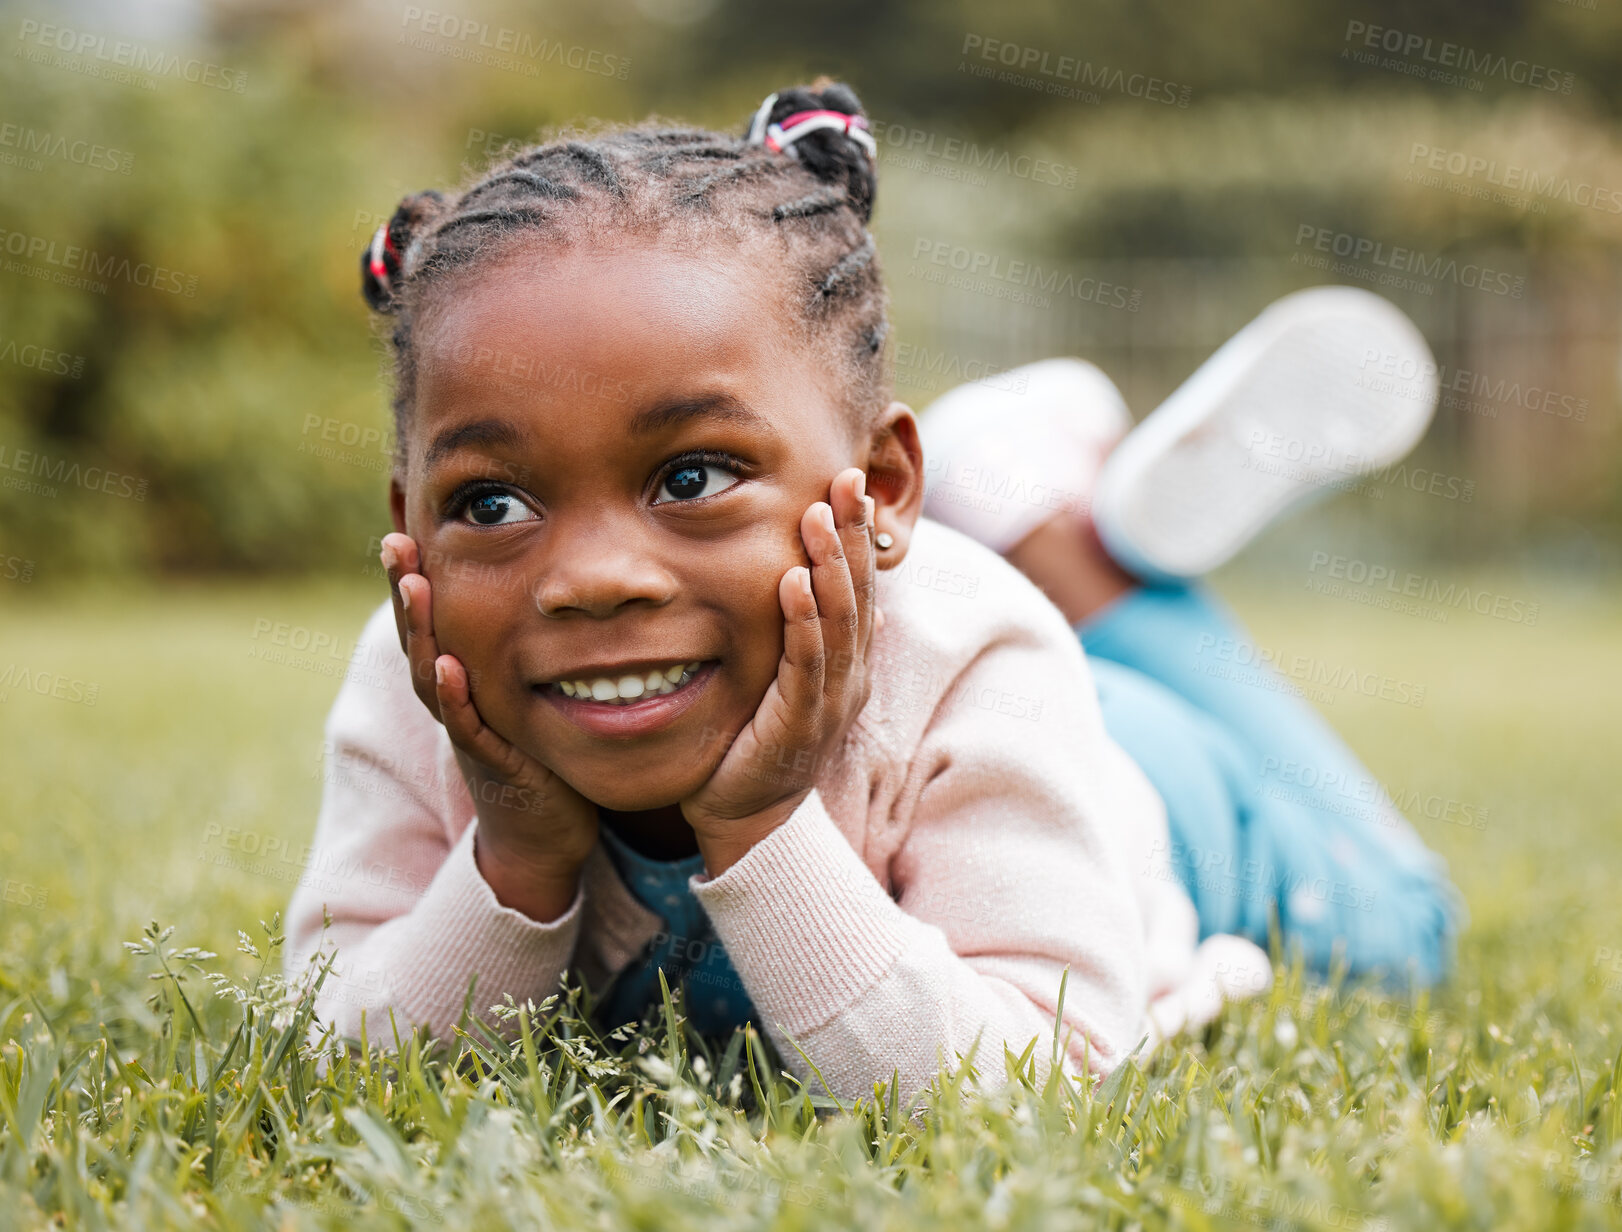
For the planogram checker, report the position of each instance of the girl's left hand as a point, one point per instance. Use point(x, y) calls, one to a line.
point(822, 682)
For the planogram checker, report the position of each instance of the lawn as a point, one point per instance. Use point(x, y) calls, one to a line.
point(156, 763)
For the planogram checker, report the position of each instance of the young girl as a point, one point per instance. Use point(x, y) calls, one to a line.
point(668, 680)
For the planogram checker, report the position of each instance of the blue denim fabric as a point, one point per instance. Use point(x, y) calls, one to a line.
point(1268, 809)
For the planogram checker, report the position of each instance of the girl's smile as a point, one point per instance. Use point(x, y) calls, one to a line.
point(633, 703)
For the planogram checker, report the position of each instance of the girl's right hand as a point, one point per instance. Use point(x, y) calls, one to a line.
point(535, 831)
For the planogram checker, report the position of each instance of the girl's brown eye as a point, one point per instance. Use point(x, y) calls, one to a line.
point(688, 482)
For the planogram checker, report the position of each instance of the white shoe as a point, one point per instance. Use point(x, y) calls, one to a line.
point(1003, 455)
point(1325, 385)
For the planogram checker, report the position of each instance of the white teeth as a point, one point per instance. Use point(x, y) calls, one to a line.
point(655, 683)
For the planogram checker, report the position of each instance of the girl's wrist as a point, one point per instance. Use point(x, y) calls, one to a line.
point(543, 890)
point(724, 843)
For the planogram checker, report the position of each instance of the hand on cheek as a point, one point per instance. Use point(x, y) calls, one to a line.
point(821, 684)
point(535, 831)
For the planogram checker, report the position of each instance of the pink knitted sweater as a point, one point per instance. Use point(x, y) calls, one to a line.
point(976, 834)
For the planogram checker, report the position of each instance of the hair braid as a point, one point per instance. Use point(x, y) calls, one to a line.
point(816, 198)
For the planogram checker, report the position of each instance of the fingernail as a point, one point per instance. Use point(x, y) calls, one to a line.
point(825, 515)
point(391, 558)
point(861, 484)
point(439, 672)
point(405, 599)
point(872, 510)
point(805, 579)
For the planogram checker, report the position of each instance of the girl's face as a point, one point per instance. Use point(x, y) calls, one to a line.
point(609, 456)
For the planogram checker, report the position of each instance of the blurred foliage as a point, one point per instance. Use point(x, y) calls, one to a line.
point(248, 413)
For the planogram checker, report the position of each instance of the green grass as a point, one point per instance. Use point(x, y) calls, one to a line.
point(140, 1102)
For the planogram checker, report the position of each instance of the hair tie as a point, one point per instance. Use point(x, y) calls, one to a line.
point(780, 137)
point(382, 247)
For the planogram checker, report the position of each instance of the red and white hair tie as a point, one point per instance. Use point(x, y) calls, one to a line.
point(382, 244)
point(780, 137)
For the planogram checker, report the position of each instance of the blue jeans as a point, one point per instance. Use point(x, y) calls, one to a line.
point(1270, 813)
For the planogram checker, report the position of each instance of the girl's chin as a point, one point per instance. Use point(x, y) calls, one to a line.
point(625, 790)
point(617, 800)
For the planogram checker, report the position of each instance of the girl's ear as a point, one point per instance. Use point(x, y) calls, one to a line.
point(397, 503)
point(895, 481)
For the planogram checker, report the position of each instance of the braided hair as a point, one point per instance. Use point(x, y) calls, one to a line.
point(815, 194)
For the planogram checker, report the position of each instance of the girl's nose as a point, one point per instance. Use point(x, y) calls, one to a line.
point(597, 578)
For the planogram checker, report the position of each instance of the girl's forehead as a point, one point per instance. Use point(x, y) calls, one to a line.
point(635, 305)
point(548, 337)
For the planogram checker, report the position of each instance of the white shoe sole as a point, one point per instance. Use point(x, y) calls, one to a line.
point(1325, 385)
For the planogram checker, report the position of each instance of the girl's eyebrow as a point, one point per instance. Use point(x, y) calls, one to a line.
point(714, 406)
point(479, 432)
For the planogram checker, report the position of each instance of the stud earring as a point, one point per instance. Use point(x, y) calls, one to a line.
point(883, 539)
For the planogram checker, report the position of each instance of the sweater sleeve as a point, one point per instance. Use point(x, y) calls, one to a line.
point(413, 919)
point(1014, 870)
